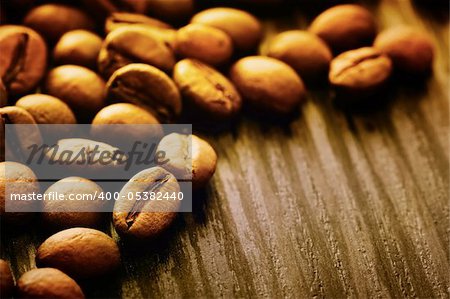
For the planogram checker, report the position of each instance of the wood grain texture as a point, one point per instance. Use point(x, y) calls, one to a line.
point(332, 205)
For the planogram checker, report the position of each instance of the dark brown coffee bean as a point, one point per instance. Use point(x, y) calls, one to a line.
point(303, 51)
point(69, 212)
point(3, 95)
point(141, 219)
point(176, 12)
point(190, 158)
point(53, 20)
point(79, 47)
point(48, 283)
point(79, 87)
point(79, 252)
point(345, 27)
point(205, 43)
point(6, 280)
point(267, 85)
point(209, 96)
point(243, 28)
point(360, 72)
point(104, 8)
point(121, 19)
point(411, 51)
point(47, 109)
point(24, 59)
point(135, 43)
point(148, 87)
point(16, 178)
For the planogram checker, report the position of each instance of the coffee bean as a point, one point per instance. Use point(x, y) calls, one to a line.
point(3, 95)
point(360, 72)
point(176, 12)
point(135, 43)
point(16, 178)
point(189, 158)
point(345, 27)
point(6, 280)
point(79, 47)
point(47, 109)
point(121, 19)
point(104, 8)
point(209, 96)
point(205, 43)
point(53, 20)
point(69, 213)
point(267, 85)
point(148, 87)
point(24, 59)
point(142, 219)
point(79, 87)
point(411, 51)
point(48, 283)
point(243, 28)
point(303, 51)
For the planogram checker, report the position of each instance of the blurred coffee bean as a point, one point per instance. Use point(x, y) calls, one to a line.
point(171, 11)
point(79, 47)
point(121, 19)
point(77, 86)
point(209, 97)
point(47, 109)
point(344, 27)
point(23, 59)
point(53, 20)
point(243, 28)
point(3, 94)
point(6, 280)
point(205, 43)
point(132, 44)
point(103, 8)
point(148, 87)
point(267, 85)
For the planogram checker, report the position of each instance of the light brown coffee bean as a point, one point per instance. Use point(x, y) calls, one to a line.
point(209, 96)
point(53, 20)
point(79, 87)
point(345, 27)
point(79, 47)
point(205, 43)
point(267, 85)
point(6, 280)
point(189, 158)
point(303, 51)
point(121, 19)
point(176, 12)
point(47, 109)
point(148, 87)
point(411, 51)
point(244, 29)
point(103, 8)
point(143, 219)
point(48, 283)
point(79, 252)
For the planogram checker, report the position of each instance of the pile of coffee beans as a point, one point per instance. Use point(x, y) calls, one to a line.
point(157, 62)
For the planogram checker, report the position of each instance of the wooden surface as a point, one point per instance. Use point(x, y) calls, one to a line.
point(332, 205)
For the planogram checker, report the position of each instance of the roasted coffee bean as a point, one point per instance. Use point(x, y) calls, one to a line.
point(48, 283)
point(6, 280)
point(141, 219)
point(189, 158)
point(69, 213)
point(303, 51)
point(135, 43)
point(243, 28)
point(121, 19)
point(79, 47)
point(16, 178)
point(148, 87)
point(81, 253)
point(205, 43)
point(47, 109)
point(360, 72)
point(53, 20)
point(267, 85)
point(208, 95)
point(3, 95)
point(104, 8)
point(23, 58)
point(79, 87)
point(176, 12)
point(411, 51)
point(345, 27)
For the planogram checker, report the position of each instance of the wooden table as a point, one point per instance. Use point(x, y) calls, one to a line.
point(332, 205)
